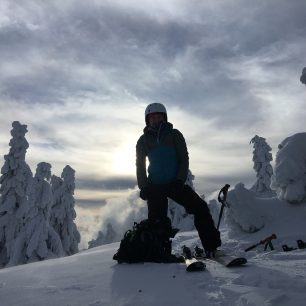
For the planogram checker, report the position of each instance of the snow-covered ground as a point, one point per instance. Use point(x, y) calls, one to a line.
point(92, 278)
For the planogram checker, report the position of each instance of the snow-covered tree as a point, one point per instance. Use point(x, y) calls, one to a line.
point(37, 240)
point(57, 209)
point(243, 213)
point(303, 76)
point(102, 238)
point(15, 178)
point(289, 179)
point(177, 214)
point(63, 213)
point(262, 158)
point(41, 240)
point(96, 242)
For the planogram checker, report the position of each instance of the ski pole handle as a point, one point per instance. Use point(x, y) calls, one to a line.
point(223, 191)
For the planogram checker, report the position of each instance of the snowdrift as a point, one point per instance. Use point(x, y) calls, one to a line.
point(92, 278)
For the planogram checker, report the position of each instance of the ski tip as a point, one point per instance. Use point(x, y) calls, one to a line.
point(237, 262)
point(196, 266)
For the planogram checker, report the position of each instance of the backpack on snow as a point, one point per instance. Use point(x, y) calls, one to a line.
point(147, 242)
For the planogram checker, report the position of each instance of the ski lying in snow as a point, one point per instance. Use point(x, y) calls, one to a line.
point(222, 258)
point(301, 245)
point(192, 264)
point(228, 260)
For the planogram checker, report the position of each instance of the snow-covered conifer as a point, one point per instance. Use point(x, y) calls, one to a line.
point(102, 238)
point(262, 158)
point(63, 213)
point(110, 234)
point(289, 179)
point(14, 181)
point(177, 214)
point(40, 239)
point(242, 213)
point(303, 76)
point(96, 242)
point(57, 211)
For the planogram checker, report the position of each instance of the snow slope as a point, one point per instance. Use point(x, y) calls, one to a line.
point(92, 278)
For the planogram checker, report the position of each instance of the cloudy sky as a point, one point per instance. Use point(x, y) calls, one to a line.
point(80, 75)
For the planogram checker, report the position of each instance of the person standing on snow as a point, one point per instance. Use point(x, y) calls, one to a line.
point(168, 167)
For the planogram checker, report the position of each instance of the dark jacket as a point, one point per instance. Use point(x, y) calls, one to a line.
point(167, 153)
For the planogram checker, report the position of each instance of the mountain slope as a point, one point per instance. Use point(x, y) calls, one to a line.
point(92, 278)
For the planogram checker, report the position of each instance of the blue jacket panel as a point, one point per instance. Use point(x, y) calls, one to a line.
point(163, 165)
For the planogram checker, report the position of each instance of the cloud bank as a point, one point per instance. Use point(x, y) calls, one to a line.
point(81, 74)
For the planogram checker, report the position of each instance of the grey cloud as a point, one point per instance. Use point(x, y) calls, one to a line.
point(132, 50)
point(116, 29)
point(51, 144)
point(89, 203)
point(106, 37)
point(271, 21)
point(210, 184)
point(116, 183)
point(53, 137)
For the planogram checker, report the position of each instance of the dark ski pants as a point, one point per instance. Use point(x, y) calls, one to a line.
point(193, 204)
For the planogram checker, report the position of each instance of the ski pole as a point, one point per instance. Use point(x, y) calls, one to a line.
point(222, 200)
point(267, 242)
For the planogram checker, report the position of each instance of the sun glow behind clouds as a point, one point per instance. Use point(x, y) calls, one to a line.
point(123, 159)
point(94, 135)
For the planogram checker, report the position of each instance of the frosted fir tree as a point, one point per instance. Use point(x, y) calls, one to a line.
point(177, 214)
point(96, 242)
point(109, 237)
point(63, 213)
point(15, 178)
point(303, 76)
point(37, 240)
point(264, 171)
point(41, 240)
point(243, 214)
point(289, 179)
point(57, 209)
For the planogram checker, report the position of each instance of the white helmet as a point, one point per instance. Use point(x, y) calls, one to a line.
point(155, 108)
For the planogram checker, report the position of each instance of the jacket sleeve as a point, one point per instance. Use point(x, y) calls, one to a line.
point(182, 154)
point(141, 169)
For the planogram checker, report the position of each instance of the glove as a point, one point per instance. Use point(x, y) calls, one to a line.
point(177, 186)
point(144, 193)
